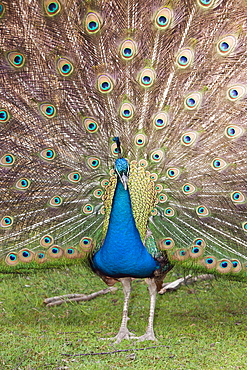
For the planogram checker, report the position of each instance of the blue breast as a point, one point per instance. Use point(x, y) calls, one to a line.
point(123, 253)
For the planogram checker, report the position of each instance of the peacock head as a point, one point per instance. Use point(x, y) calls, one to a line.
point(121, 165)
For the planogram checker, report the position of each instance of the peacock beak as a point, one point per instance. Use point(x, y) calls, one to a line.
point(124, 180)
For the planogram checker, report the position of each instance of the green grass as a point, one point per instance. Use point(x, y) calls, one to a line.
point(198, 327)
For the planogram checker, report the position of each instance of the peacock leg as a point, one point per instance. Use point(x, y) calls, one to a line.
point(149, 335)
point(124, 332)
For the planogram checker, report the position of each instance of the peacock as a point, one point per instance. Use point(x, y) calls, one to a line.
point(123, 139)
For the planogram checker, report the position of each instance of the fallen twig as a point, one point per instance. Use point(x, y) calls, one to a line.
point(55, 301)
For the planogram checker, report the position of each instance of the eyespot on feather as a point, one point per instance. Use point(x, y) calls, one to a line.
point(158, 188)
point(196, 251)
point(193, 101)
point(236, 92)
point(7, 159)
point(4, 115)
point(218, 164)
point(48, 110)
point(226, 45)
point(160, 120)
point(91, 125)
point(188, 189)
point(86, 244)
point(202, 211)
point(16, 59)
point(200, 242)
point(48, 154)
point(157, 156)
point(93, 162)
point(64, 67)
point(126, 111)
point(185, 58)
point(74, 177)
point(163, 18)
point(162, 198)
point(12, 259)
point(233, 131)
point(238, 197)
point(71, 253)
point(224, 266)
point(6, 221)
point(236, 266)
point(188, 138)
point(180, 255)
point(52, 8)
point(46, 241)
point(2, 10)
point(154, 176)
point(140, 140)
point(205, 3)
point(98, 193)
point(88, 208)
point(55, 251)
point(55, 201)
point(25, 255)
point(244, 226)
point(173, 173)
point(40, 257)
point(169, 212)
point(166, 244)
point(146, 77)
point(128, 50)
point(23, 184)
point(104, 84)
point(143, 163)
point(93, 23)
point(209, 262)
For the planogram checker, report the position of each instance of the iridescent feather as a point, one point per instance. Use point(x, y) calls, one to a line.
point(169, 80)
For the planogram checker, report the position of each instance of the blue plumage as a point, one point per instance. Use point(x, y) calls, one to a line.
point(123, 253)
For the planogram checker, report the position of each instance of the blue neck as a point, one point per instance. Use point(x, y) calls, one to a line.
point(123, 253)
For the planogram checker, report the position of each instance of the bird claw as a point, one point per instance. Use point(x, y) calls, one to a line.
point(149, 335)
point(122, 334)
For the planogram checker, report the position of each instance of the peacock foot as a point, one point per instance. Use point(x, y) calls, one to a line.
point(149, 335)
point(123, 333)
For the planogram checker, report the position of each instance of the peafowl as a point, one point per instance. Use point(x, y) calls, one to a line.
point(123, 138)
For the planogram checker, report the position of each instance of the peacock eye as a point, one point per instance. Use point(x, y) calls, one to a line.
point(56, 201)
point(202, 211)
point(163, 18)
point(48, 110)
point(236, 92)
point(65, 67)
point(205, 3)
point(46, 241)
point(7, 160)
point(16, 59)
point(93, 23)
point(23, 184)
point(146, 77)
point(104, 84)
point(218, 164)
point(160, 120)
point(193, 101)
point(4, 116)
point(74, 177)
point(184, 58)
point(93, 162)
point(173, 173)
point(48, 154)
point(128, 50)
point(87, 209)
point(52, 8)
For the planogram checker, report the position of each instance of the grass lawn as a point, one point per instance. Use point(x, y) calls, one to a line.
point(203, 326)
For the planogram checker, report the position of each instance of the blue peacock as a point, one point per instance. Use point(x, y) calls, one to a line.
point(123, 138)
